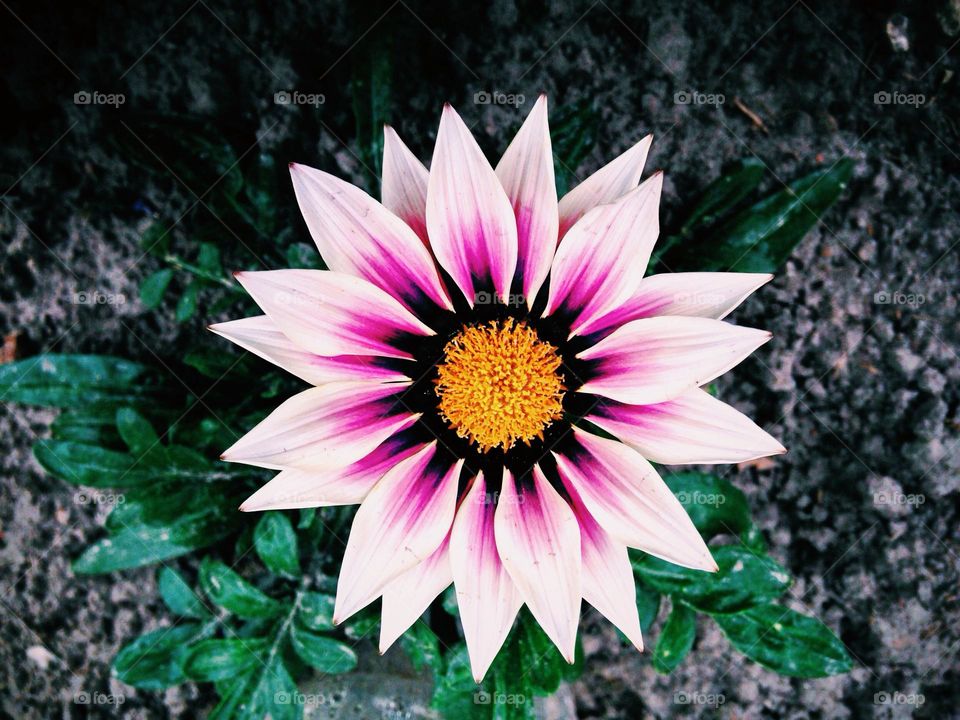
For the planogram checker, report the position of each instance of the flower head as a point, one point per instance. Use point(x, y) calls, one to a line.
point(471, 336)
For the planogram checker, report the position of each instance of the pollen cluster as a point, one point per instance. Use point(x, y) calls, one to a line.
point(498, 383)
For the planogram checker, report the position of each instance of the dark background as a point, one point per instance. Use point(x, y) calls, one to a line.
point(859, 383)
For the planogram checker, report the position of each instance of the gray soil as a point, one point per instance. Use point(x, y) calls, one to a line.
point(860, 381)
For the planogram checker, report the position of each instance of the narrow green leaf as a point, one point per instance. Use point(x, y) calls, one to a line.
point(261, 692)
point(81, 464)
point(88, 427)
point(152, 661)
point(209, 257)
point(307, 516)
point(648, 605)
point(423, 647)
point(724, 193)
point(675, 639)
point(230, 591)
point(745, 579)
point(315, 611)
point(74, 381)
point(538, 656)
point(137, 432)
point(325, 654)
point(154, 287)
point(786, 642)
point(179, 596)
point(223, 658)
point(276, 543)
point(187, 304)
point(715, 506)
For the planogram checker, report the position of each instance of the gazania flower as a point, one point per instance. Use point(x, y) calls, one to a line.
point(474, 349)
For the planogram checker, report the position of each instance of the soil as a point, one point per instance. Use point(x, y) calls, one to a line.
point(860, 382)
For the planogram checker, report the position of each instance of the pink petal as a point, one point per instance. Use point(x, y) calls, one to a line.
point(526, 172)
point(349, 485)
point(404, 184)
point(693, 428)
point(612, 181)
point(623, 492)
point(488, 599)
point(656, 359)
point(472, 228)
point(356, 235)
point(696, 294)
point(409, 595)
point(601, 260)
point(608, 582)
point(325, 427)
point(400, 524)
point(539, 543)
point(261, 336)
point(330, 313)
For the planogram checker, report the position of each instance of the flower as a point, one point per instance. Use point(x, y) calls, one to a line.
point(474, 348)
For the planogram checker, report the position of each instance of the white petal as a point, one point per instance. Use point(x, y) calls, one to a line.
point(472, 228)
point(625, 495)
point(613, 180)
point(526, 171)
point(404, 184)
point(400, 524)
point(488, 599)
point(261, 336)
point(601, 260)
point(539, 543)
point(693, 428)
point(656, 359)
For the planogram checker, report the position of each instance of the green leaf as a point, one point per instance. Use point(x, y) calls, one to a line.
point(675, 639)
point(179, 596)
point(223, 658)
point(744, 580)
point(325, 654)
point(648, 605)
point(187, 304)
point(82, 464)
point(315, 611)
point(74, 381)
point(573, 133)
point(160, 523)
point(276, 543)
point(88, 427)
point(762, 237)
point(230, 591)
point(724, 193)
point(137, 432)
point(300, 255)
point(259, 693)
point(152, 661)
point(306, 518)
point(423, 647)
point(154, 287)
point(214, 362)
point(786, 642)
point(209, 257)
point(539, 657)
point(715, 506)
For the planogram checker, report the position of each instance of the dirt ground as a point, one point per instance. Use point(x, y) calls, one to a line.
point(860, 382)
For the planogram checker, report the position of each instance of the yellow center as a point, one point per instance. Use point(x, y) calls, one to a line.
point(498, 383)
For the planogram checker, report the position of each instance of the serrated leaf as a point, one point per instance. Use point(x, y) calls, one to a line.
point(315, 611)
point(154, 287)
point(179, 596)
point(224, 658)
point(230, 591)
point(74, 381)
point(152, 661)
point(786, 642)
point(715, 506)
point(325, 654)
point(745, 579)
point(187, 304)
point(275, 541)
point(676, 639)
